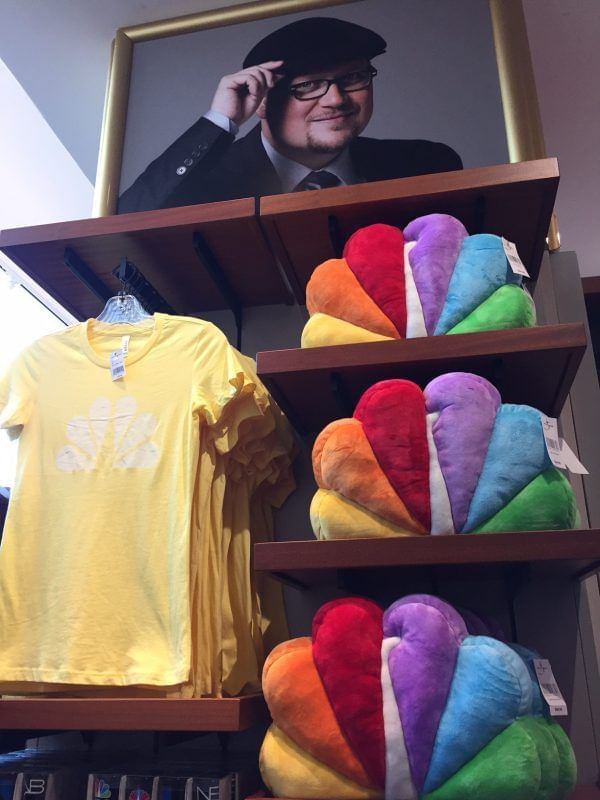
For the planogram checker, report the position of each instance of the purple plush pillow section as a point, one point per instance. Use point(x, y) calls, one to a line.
point(439, 238)
point(421, 669)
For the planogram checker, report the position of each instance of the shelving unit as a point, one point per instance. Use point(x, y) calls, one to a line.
point(535, 366)
point(249, 242)
point(156, 714)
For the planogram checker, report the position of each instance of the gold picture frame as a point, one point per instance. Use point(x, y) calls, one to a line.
point(515, 71)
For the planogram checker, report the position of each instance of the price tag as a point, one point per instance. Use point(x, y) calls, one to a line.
point(125, 344)
point(553, 442)
point(514, 259)
point(549, 688)
point(559, 451)
point(117, 366)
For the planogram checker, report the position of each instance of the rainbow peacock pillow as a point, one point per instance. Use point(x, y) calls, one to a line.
point(451, 458)
point(430, 279)
point(408, 704)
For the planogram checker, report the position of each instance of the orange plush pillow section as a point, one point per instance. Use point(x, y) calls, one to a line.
point(292, 686)
point(343, 460)
point(334, 289)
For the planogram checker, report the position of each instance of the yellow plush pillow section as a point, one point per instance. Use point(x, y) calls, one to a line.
point(290, 772)
point(334, 517)
point(321, 330)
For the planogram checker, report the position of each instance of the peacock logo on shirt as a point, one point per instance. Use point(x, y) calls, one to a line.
point(111, 436)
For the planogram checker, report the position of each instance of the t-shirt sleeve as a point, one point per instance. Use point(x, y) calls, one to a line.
point(16, 392)
point(226, 393)
point(241, 417)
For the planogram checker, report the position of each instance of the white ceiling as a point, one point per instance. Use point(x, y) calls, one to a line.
point(59, 51)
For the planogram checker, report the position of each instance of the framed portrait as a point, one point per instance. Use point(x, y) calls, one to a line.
point(457, 73)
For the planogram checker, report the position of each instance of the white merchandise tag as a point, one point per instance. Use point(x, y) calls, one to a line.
point(514, 259)
point(559, 451)
point(573, 463)
point(117, 367)
point(549, 687)
point(125, 344)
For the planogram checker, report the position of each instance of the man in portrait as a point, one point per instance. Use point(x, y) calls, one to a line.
point(310, 84)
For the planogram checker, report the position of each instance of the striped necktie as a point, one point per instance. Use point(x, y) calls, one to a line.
point(318, 180)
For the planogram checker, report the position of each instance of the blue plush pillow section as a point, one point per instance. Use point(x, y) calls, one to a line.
point(480, 269)
point(516, 455)
point(497, 677)
point(539, 707)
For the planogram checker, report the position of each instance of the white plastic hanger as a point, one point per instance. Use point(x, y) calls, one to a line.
point(123, 308)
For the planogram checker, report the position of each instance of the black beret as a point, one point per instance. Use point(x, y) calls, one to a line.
point(315, 42)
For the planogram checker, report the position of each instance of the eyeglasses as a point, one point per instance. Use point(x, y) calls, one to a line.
point(351, 82)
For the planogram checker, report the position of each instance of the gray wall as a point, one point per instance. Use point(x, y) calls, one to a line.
point(564, 38)
point(437, 81)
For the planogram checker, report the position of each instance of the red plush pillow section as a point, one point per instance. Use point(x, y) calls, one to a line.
point(375, 254)
point(394, 421)
point(347, 638)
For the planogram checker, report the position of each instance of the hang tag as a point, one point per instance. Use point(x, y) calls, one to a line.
point(573, 463)
point(549, 688)
point(514, 259)
point(559, 451)
point(552, 439)
point(125, 344)
point(117, 366)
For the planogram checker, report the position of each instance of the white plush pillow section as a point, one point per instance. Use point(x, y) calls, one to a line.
point(441, 511)
point(398, 781)
point(415, 321)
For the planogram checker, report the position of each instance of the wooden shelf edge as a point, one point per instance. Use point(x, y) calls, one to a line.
point(535, 366)
point(439, 348)
point(135, 714)
point(206, 213)
point(579, 793)
point(451, 550)
point(466, 180)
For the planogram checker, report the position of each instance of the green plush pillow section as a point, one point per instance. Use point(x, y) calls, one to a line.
point(532, 759)
point(546, 503)
point(549, 762)
point(567, 773)
point(507, 767)
point(507, 307)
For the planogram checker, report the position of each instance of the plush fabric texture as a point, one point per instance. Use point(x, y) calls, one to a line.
point(350, 669)
point(394, 424)
point(451, 458)
point(423, 709)
point(430, 279)
point(375, 256)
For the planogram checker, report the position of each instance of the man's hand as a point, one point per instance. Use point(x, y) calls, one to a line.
point(239, 95)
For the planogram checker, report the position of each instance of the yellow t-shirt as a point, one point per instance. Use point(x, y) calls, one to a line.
point(95, 560)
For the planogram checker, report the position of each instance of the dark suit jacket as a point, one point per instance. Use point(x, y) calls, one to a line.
point(206, 164)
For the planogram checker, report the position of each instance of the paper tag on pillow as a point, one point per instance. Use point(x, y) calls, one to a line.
point(514, 259)
point(573, 463)
point(549, 688)
point(559, 451)
point(117, 365)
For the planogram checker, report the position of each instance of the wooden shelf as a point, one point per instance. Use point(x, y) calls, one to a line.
point(579, 793)
point(572, 553)
point(535, 366)
point(510, 200)
point(104, 714)
point(160, 244)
